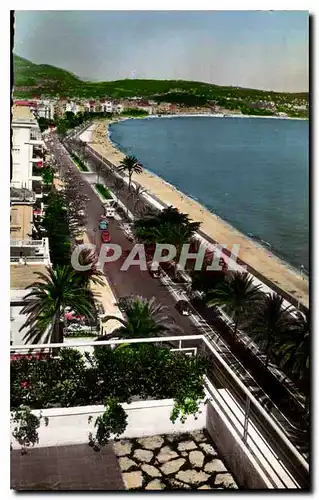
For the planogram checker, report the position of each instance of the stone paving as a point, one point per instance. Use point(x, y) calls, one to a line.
point(172, 462)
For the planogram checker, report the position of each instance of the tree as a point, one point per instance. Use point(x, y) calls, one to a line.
point(270, 323)
point(55, 222)
point(47, 302)
point(294, 346)
point(92, 275)
point(47, 176)
point(173, 234)
point(118, 186)
point(144, 318)
point(238, 293)
point(145, 226)
point(135, 194)
point(130, 165)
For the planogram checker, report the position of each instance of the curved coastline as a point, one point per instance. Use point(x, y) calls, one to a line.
point(254, 239)
point(284, 274)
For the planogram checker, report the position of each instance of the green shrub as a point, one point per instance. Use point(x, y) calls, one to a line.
point(79, 163)
point(113, 421)
point(25, 431)
point(144, 371)
point(104, 191)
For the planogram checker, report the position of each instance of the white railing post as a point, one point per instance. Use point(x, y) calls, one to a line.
point(246, 421)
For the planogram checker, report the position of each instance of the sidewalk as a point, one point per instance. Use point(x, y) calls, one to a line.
point(103, 294)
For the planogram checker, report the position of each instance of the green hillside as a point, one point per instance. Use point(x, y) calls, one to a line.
point(42, 79)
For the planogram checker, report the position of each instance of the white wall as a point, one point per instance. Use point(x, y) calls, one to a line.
point(21, 160)
point(145, 418)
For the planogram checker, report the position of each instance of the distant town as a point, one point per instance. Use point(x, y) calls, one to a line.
point(55, 108)
point(50, 92)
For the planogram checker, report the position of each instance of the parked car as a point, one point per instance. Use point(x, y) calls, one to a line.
point(183, 307)
point(155, 271)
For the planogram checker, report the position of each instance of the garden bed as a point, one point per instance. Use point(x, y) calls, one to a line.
point(146, 372)
point(79, 163)
point(104, 191)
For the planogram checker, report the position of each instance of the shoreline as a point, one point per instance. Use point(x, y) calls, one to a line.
point(217, 115)
point(257, 242)
point(269, 265)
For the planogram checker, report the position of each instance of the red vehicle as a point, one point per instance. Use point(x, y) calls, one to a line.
point(105, 236)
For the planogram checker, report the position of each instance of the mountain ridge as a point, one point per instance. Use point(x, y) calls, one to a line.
point(32, 79)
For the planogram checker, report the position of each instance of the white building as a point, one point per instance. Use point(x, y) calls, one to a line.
point(107, 107)
point(45, 109)
point(72, 107)
point(27, 147)
point(118, 108)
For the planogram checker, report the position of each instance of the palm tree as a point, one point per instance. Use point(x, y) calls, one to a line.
point(271, 322)
point(173, 234)
point(135, 194)
point(92, 275)
point(131, 166)
point(144, 318)
point(294, 346)
point(47, 302)
point(238, 293)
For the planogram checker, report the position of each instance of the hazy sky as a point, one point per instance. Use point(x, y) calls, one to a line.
point(266, 50)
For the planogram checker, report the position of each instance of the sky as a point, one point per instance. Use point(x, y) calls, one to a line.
point(257, 49)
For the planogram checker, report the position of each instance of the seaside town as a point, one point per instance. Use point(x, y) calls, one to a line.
point(153, 346)
point(54, 108)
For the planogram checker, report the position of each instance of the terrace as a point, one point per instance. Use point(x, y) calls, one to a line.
point(34, 251)
point(245, 446)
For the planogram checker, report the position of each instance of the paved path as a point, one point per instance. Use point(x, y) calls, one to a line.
point(66, 468)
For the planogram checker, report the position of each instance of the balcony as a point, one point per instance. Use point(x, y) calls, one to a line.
point(30, 251)
point(250, 442)
point(36, 138)
point(21, 195)
point(37, 188)
point(36, 173)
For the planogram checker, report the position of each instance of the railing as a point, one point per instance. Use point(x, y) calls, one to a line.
point(35, 136)
point(27, 243)
point(279, 460)
point(253, 425)
point(30, 258)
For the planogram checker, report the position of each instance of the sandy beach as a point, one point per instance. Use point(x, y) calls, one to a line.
point(265, 263)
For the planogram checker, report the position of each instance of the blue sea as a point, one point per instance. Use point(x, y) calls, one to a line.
point(251, 172)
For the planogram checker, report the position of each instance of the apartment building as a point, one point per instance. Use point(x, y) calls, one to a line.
point(27, 147)
point(21, 213)
point(45, 109)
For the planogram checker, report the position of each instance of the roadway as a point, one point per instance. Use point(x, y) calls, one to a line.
point(133, 281)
